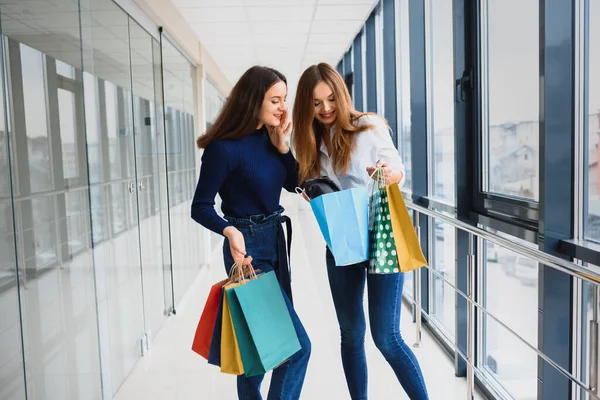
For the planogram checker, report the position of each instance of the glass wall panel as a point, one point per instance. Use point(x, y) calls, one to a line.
point(38, 135)
point(186, 235)
point(12, 383)
point(152, 196)
point(403, 88)
point(590, 296)
point(51, 202)
point(440, 52)
point(214, 101)
point(510, 48)
point(510, 282)
point(593, 124)
point(443, 261)
point(114, 190)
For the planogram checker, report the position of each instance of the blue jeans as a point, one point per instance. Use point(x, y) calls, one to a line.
point(385, 302)
point(261, 234)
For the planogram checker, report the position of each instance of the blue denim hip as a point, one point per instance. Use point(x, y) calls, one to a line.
point(266, 243)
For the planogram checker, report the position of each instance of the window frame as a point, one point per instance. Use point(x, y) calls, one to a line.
point(513, 215)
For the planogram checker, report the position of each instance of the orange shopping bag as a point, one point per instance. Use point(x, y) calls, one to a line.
point(206, 325)
point(410, 255)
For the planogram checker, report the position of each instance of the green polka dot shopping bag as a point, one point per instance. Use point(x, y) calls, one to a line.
point(393, 240)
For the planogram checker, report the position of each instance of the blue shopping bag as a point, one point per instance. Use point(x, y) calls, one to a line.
point(263, 325)
point(344, 221)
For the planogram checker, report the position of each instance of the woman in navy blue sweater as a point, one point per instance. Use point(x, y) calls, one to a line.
point(247, 162)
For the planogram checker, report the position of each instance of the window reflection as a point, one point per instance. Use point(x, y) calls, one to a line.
point(403, 87)
point(505, 357)
point(66, 112)
point(44, 232)
point(113, 130)
point(593, 124)
point(443, 261)
point(441, 83)
point(38, 137)
point(512, 104)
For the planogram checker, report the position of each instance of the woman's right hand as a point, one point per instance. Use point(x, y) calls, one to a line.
point(237, 245)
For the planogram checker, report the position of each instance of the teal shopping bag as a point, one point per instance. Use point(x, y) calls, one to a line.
point(250, 356)
point(343, 218)
point(261, 316)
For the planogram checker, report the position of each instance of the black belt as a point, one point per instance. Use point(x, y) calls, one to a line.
point(284, 251)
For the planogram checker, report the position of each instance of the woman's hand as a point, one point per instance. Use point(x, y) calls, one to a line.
point(389, 175)
point(277, 134)
point(237, 245)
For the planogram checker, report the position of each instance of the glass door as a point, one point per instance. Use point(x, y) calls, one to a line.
point(150, 170)
point(114, 191)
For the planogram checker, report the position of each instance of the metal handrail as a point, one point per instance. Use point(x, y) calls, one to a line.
point(537, 255)
point(591, 275)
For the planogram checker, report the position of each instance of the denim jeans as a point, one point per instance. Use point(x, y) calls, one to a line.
point(260, 234)
point(385, 302)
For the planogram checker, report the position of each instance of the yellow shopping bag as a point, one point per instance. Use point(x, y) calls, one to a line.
point(410, 255)
point(231, 359)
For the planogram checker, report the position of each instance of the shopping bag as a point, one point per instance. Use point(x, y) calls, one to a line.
point(214, 355)
point(408, 248)
point(262, 321)
point(231, 360)
point(343, 219)
point(383, 257)
point(206, 325)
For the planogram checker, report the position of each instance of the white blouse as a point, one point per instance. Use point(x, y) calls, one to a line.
point(370, 146)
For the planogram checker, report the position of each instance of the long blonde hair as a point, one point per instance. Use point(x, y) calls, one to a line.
point(308, 131)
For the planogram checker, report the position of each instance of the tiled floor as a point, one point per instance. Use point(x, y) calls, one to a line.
point(172, 371)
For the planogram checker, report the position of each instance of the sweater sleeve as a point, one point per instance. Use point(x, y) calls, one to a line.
point(214, 170)
point(291, 168)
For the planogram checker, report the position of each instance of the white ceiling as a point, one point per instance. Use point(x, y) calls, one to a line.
point(289, 35)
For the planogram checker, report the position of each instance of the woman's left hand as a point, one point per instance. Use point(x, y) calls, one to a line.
point(389, 175)
point(277, 134)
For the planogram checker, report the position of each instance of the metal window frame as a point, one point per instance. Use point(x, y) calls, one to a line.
point(370, 67)
point(390, 94)
point(493, 209)
point(358, 72)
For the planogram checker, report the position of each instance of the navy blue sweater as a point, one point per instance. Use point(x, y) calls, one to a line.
point(248, 173)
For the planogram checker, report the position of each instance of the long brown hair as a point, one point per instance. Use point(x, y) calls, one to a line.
point(240, 114)
point(308, 131)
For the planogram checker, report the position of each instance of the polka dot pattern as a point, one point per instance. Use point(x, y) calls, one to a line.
point(383, 256)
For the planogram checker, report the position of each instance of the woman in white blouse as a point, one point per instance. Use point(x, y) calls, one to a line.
point(332, 139)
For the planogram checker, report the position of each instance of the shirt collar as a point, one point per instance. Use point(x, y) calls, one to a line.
point(323, 146)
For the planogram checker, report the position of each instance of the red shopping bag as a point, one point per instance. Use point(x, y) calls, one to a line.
point(206, 325)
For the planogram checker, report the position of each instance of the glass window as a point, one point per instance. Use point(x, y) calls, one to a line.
point(44, 232)
point(36, 122)
point(66, 110)
point(403, 88)
point(443, 261)
point(593, 124)
point(214, 100)
point(440, 82)
point(77, 208)
point(94, 151)
point(114, 133)
point(505, 357)
point(510, 48)
point(65, 69)
point(11, 368)
point(409, 277)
